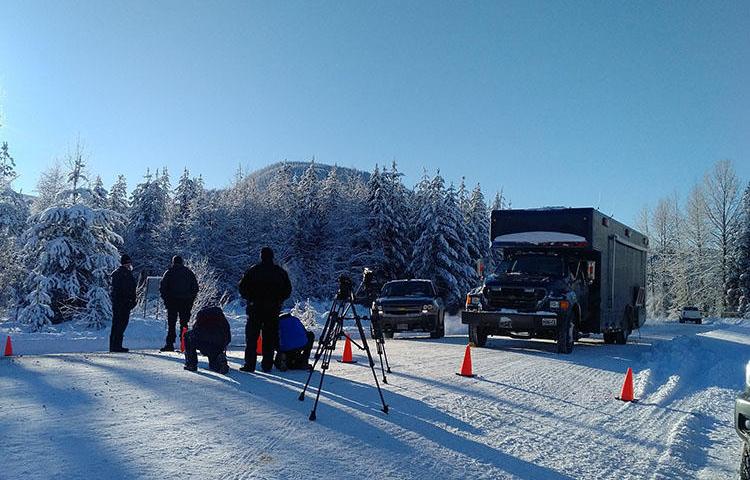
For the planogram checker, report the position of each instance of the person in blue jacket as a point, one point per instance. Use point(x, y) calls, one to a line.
point(295, 344)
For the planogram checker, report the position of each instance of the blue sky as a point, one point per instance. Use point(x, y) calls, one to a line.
point(560, 103)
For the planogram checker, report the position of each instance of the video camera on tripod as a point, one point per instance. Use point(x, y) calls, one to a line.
point(343, 308)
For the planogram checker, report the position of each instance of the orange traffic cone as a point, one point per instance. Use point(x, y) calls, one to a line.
point(626, 394)
point(182, 339)
point(259, 345)
point(347, 357)
point(466, 366)
point(8, 347)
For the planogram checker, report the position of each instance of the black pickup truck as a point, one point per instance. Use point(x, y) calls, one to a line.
point(562, 273)
point(407, 306)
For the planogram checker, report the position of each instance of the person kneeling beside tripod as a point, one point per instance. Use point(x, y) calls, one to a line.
point(210, 335)
point(295, 344)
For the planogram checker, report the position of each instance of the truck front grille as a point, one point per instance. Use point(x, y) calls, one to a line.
point(517, 298)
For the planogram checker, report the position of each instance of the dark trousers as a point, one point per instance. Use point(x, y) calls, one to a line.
point(177, 308)
point(267, 321)
point(299, 358)
point(120, 319)
point(214, 351)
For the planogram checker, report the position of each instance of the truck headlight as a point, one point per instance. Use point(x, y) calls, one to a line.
point(428, 308)
point(559, 304)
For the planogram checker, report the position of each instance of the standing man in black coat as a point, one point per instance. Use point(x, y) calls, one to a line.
point(178, 289)
point(123, 301)
point(265, 286)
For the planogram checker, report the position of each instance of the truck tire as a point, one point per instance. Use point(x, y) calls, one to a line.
point(566, 335)
point(609, 338)
point(440, 329)
point(477, 336)
point(621, 337)
point(745, 463)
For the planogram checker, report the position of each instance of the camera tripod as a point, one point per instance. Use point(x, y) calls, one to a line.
point(343, 308)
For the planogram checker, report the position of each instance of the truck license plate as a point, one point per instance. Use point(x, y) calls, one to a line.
point(505, 322)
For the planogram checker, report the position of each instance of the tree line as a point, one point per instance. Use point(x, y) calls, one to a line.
point(700, 247)
point(60, 246)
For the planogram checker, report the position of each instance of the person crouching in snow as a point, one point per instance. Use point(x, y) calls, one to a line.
point(295, 344)
point(210, 335)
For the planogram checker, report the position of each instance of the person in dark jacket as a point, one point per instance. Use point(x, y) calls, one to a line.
point(178, 289)
point(123, 301)
point(265, 286)
point(210, 335)
point(295, 344)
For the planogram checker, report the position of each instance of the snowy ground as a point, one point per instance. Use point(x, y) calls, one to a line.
point(529, 414)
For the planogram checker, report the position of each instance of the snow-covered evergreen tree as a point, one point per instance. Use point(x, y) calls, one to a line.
point(388, 225)
point(478, 229)
point(118, 196)
point(99, 194)
point(70, 247)
point(308, 236)
point(50, 185)
point(14, 211)
point(439, 253)
point(146, 240)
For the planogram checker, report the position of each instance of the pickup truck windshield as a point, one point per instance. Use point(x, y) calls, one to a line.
point(407, 289)
point(534, 264)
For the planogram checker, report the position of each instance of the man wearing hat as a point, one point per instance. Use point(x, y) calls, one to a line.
point(178, 289)
point(123, 301)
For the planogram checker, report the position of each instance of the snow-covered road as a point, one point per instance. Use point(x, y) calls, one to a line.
point(530, 413)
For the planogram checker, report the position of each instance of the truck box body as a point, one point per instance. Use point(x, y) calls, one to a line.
point(618, 253)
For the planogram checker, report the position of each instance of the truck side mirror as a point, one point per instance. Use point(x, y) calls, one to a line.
point(591, 270)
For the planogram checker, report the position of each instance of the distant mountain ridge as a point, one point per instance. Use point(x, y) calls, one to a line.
point(263, 176)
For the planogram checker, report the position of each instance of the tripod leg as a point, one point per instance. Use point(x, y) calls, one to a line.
point(326, 362)
point(323, 341)
point(387, 366)
point(380, 354)
point(369, 356)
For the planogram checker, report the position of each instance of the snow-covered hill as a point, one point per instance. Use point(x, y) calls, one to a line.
point(530, 413)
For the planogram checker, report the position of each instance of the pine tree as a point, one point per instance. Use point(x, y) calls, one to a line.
point(50, 185)
point(145, 239)
point(440, 254)
point(387, 224)
point(478, 229)
point(70, 247)
point(118, 196)
point(185, 194)
point(14, 211)
point(99, 194)
point(308, 241)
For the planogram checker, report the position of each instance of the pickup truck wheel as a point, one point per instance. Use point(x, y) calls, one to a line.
point(477, 336)
point(565, 336)
point(621, 338)
point(745, 463)
point(609, 338)
point(439, 331)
